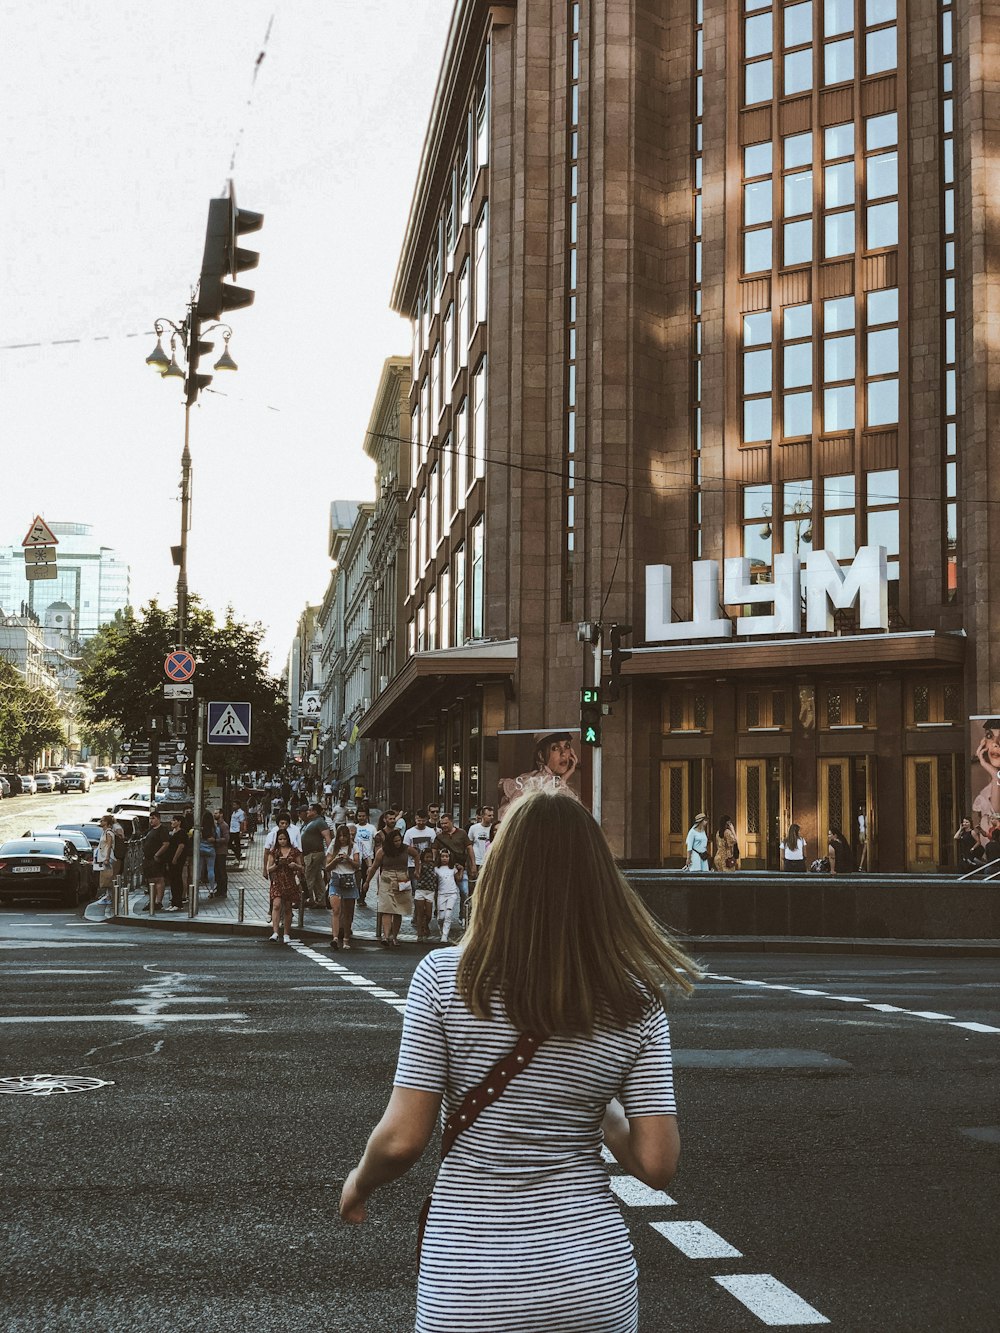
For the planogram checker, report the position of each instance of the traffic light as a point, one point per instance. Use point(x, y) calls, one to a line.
point(223, 258)
point(590, 715)
point(196, 349)
point(619, 656)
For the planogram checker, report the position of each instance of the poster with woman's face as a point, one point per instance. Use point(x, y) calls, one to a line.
point(984, 744)
point(529, 760)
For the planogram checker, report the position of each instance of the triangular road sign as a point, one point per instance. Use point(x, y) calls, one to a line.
point(40, 534)
point(229, 724)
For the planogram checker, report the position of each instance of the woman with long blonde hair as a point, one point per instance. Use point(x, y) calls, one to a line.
point(543, 1036)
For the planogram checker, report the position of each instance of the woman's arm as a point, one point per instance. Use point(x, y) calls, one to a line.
point(395, 1144)
point(376, 862)
point(647, 1146)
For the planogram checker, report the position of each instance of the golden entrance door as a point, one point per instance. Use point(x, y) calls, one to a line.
point(763, 810)
point(684, 792)
point(847, 803)
point(923, 824)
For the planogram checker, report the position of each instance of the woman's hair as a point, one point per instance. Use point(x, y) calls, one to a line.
point(836, 835)
point(282, 833)
point(559, 938)
point(792, 837)
point(724, 823)
point(343, 835)
point(444, 851)
point(208, 825)
point(392, 842)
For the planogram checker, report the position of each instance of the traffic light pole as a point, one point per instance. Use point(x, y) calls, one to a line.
point(598, 752)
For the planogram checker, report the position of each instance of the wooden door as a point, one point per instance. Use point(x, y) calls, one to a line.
point(835, 809)
point(751, 812)
point(923, 828)
point(674, 810)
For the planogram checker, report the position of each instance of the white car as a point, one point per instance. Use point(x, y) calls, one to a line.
point(136, 804)
point(45, 782)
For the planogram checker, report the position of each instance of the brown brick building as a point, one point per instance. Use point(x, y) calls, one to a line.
point(696, 283)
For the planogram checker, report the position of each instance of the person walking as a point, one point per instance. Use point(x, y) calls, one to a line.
point(154, 851)
point(364, 846)
point(392, 866)
point(237, 820)
point(343, 888)
point(793, 850)
point(286, 875)
point(104, 860)
point(206, 850)
point(526, 1038)
point(696, 843)
point(316, 838)
point(416, 840)
point(449, 892)
point(727, 849)
point(220, 838)
point(424, 895)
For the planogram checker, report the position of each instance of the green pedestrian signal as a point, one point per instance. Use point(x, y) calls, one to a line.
point(591, 715)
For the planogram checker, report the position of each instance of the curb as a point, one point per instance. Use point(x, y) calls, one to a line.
point(692, 943)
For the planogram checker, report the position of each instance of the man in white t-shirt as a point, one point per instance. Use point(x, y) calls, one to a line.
point(364, 843)
point(479, 835)
point(293, 831)
point(236, 822)
point(415, 840)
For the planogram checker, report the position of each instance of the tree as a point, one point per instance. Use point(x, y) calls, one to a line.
point(121, 682)
point(30, 720)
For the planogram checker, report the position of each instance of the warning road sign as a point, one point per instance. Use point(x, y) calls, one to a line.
point(179, 665)
point(228, 723)
point(40, 534)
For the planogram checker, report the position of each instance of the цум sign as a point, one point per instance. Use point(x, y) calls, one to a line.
point(828, 587)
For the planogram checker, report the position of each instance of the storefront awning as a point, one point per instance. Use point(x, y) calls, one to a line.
point(847, 652)
point(430, 681)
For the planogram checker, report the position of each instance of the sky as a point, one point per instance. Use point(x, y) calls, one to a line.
point(119, 124)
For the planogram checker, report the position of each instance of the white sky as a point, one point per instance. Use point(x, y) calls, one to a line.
point(117, 123)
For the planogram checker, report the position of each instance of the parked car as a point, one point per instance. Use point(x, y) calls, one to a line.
point(27, 781)
point(13, 781)
point(91, 831)
point(4, 788)
point(45, 782)
point(63, 833)
point(43, 868)
point(77, 779)
point(104, 774)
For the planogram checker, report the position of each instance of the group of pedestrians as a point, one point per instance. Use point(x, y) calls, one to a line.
point(726, 856)
point(423, 866)
point(167, 859)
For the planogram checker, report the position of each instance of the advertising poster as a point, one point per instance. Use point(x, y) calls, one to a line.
point(984, 750)
point(549, 757)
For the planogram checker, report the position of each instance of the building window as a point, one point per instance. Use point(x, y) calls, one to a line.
point(483, 116)
point(882, 357)
point(479, 419)
point(757, 377)
point(448, 339)
point(432, 619)
point(838, 517)
point(463, 315)
point(685, 710)
point(757, 529)
point(838, 365)
point(421, 628)
point(422, 530)
point(411, 637)
point(481, 256)
point(798, 58)
point(882, 518)
point(435, 385)
point(447, 499)
point(797, 371)
point(797, 522)
point(434, 504)
point(412, 552)
point(838, 190)
point(444, 607)
point(461, 453)
point(425, 419)
point(458, 564)
point(846, 705)
point(763, 709)
point(414, 446)
point(477, 575)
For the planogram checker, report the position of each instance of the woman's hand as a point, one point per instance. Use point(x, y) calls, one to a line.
point(353, 1204)
point(981, 756)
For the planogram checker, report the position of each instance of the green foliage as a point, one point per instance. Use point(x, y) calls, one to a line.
point(30, 720)
point(121, 682)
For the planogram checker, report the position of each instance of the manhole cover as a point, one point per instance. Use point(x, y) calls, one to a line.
point(46, 1085)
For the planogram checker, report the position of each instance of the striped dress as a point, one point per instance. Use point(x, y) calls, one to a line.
point(524, 1233)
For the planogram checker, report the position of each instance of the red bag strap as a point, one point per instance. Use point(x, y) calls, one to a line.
point(486, 1093)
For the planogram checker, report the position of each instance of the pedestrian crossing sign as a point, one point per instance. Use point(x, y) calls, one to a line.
point(228, 723)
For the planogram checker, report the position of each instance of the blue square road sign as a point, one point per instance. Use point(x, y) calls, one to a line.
point(228, 723)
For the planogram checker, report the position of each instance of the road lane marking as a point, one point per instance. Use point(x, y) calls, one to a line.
point(344, 973)
point(770, 1300)
point(930, 1015)
point(696, 1241)
point(149, 1020)
point(637, 1195)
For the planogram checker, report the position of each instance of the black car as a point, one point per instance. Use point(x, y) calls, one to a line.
point(12, 781)
point(80, 839)
point(43, 868)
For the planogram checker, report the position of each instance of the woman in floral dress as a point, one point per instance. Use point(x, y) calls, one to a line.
point(286, 873)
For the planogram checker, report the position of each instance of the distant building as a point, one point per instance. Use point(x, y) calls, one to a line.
point(93, 583)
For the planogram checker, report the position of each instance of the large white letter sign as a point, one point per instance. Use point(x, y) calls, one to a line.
point(706, 624)
point(829, 587)
point(783, 593)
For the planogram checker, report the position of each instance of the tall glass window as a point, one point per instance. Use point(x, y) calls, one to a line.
point(478, 546)
point(464, 328)
point(458, 565)
point(461, 453)
point(481, 259)
point(839, 366)
point(757, 377)
point(882, 357)
point(444, 607)
point(797, 371)
point(479, 419)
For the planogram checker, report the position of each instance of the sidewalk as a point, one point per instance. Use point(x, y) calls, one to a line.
point(223, 914)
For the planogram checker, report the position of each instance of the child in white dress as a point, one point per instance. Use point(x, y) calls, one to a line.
point(449, 896)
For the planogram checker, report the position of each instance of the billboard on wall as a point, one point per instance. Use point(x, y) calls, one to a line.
point(984, 750)
point(548, 757)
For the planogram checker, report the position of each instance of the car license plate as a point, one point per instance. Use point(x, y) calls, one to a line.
point(26, 870)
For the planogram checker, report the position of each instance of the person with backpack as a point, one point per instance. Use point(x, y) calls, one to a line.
point(104, 860)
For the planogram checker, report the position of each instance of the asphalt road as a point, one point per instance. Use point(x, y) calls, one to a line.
point(42, 810)
point(840, 1158)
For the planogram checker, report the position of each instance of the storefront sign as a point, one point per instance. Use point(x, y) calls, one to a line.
point(827, 585)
